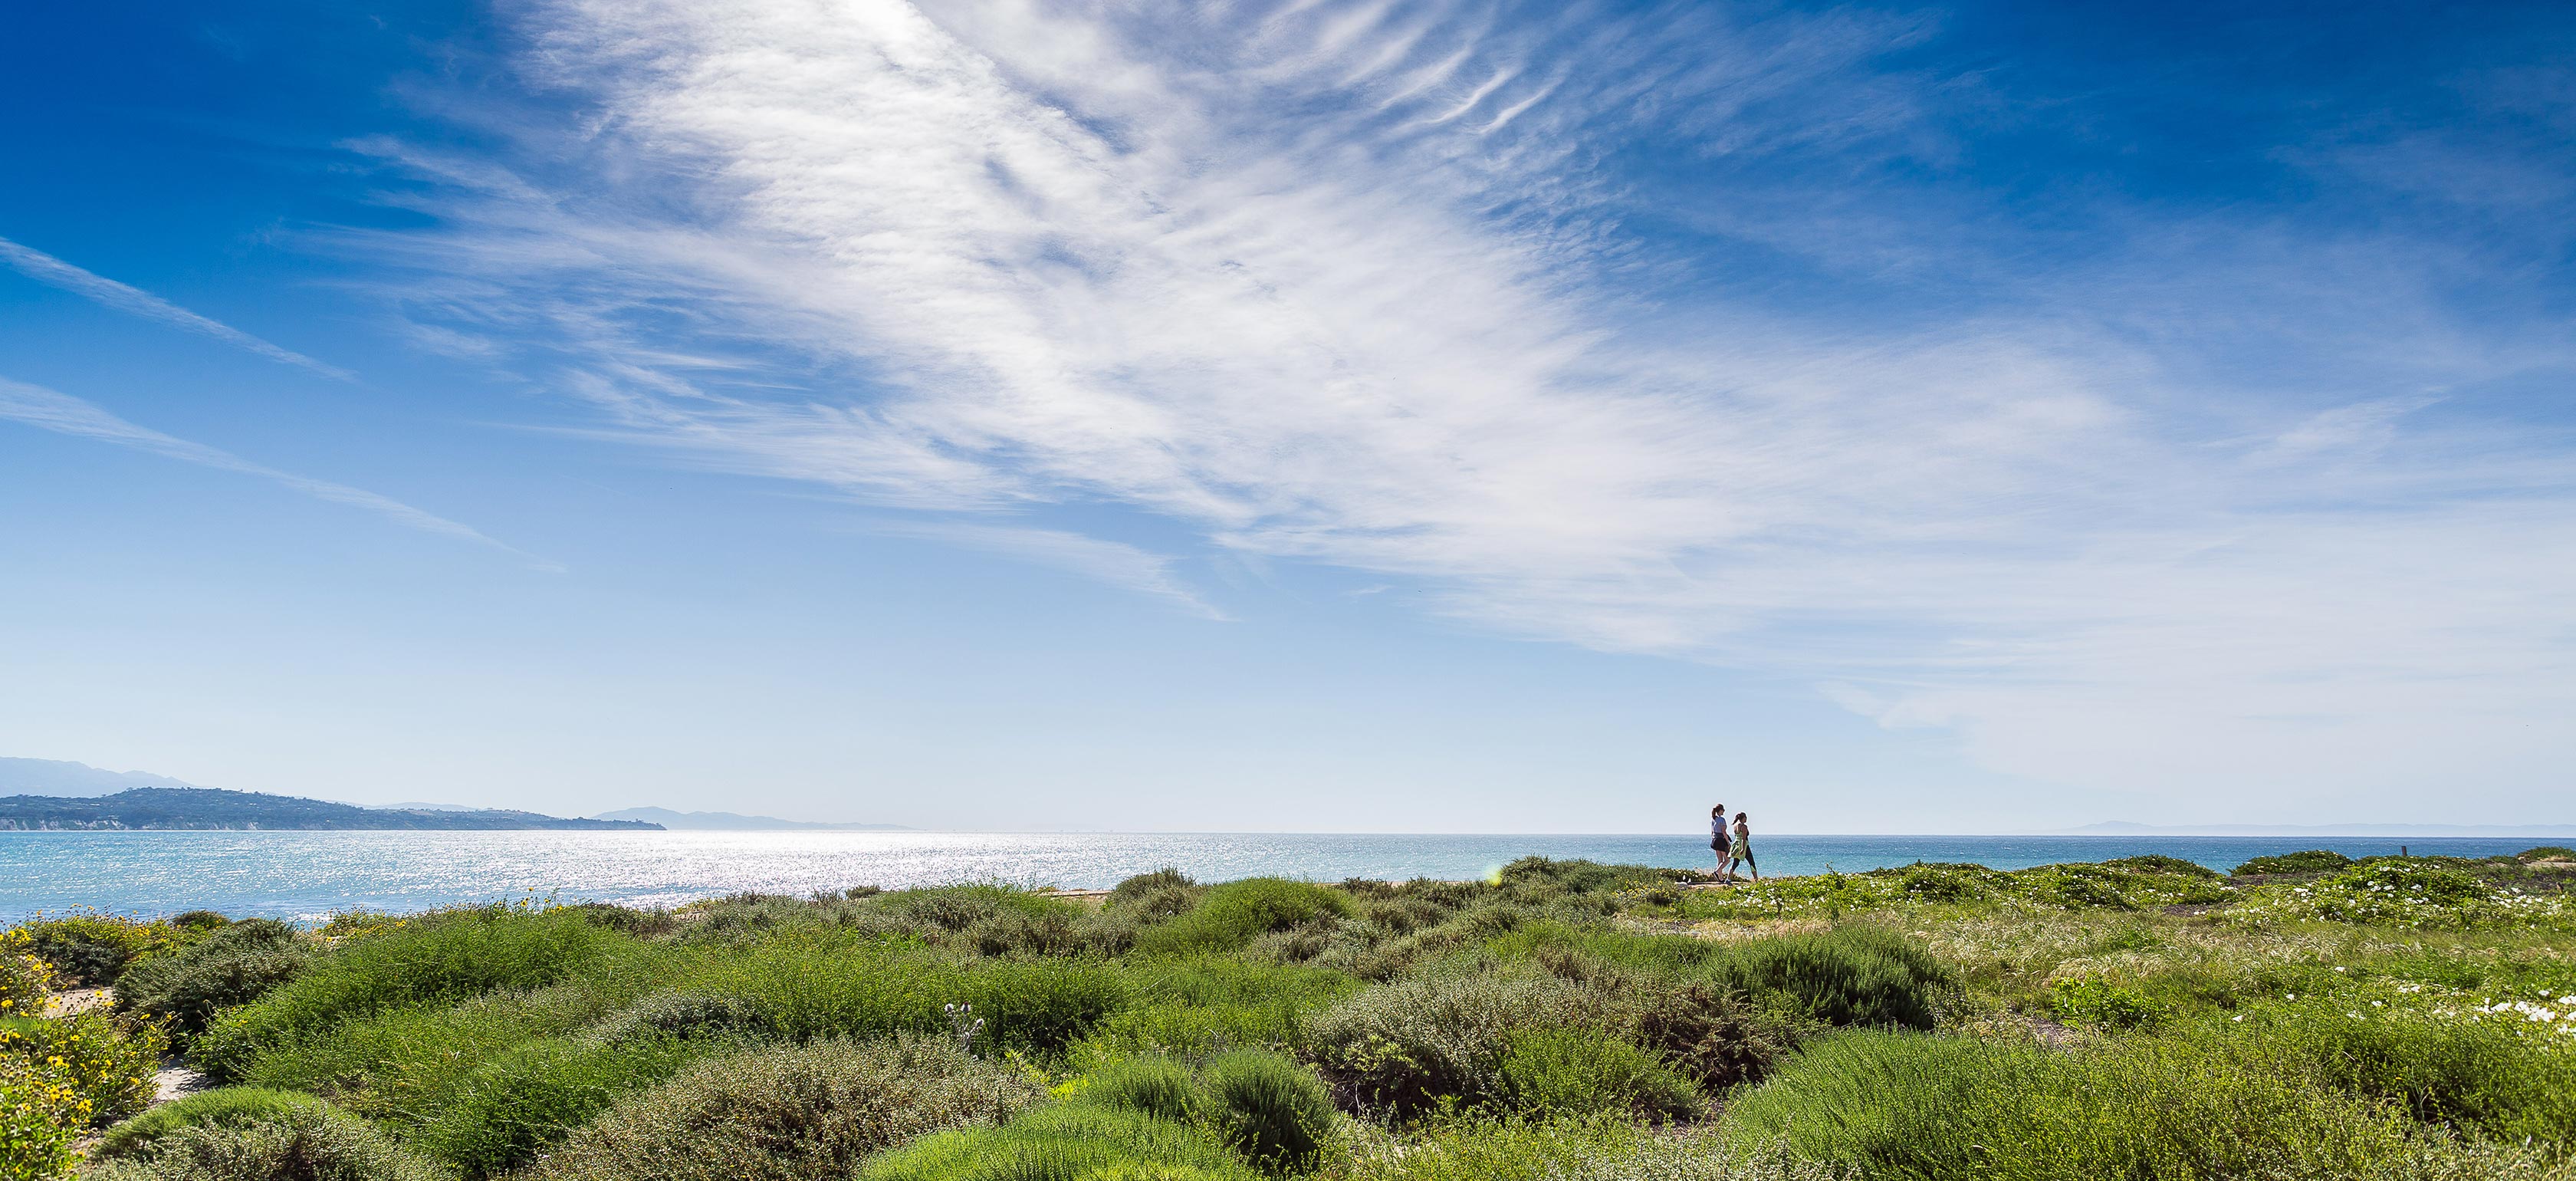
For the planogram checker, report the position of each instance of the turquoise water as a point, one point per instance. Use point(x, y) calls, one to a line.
point(312, 874)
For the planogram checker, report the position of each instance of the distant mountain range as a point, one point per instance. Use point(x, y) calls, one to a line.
point(46, 793)
point(215, 808)
point(48, 777)
point(2125, 828)
point(731, 822)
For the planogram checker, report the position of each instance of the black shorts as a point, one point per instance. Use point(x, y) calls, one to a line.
point(1717, 844)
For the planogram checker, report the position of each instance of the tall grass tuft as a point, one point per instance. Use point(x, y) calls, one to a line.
point(1068, 1141)
point(1269, 1109)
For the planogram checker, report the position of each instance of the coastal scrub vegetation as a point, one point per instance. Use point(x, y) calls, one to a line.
point(2306, 1016)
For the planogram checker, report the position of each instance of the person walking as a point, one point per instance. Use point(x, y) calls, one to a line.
point(1743, 849)
point(1717, 842)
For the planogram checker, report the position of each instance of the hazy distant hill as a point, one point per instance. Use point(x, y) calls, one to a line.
point(2120, 828)
point(730, 822)
point(48, 777)
point(214, 808)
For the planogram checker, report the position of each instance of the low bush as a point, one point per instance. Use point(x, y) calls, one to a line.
point(300, 1144)
point(1270, 1110)
point(231, 966)
point(1236, 913)
point(684, 1015)
point(521, 1102)
point(817, 986)
point(1951, 881)
point(25, 980)
point(1853, 975)
point(1907, 1105)
point(445, 956)
point(2159, 863)
point(1159, 889)
point(1067, 1141)
point(1561, 1148)
point(43, 1114)
point(2311, 861)
point(2097, 1001)
point(1582, 1072)
point(2080, 887)
point(787, 1113)
point(91, 949)
point(221, 1107)
point(110, 1062)
point(2477, 1077)
point(1711, 1036)
point(1410, 1046)
point(2546, 853)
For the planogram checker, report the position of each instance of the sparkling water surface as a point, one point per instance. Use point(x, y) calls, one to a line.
point(308, 875)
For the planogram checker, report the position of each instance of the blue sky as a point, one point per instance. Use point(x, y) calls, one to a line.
point(1302, 415)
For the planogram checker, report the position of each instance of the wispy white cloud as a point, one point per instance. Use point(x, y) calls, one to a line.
point(45, 268)
point(1113, 562)
point(62, 413)
point(1279, 288)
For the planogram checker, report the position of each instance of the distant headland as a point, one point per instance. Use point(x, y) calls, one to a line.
point(215, 808)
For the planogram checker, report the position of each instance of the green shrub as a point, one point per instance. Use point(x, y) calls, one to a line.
point(521, 1102)
point(2101, 1002)
point(685, 1015)
point(1563, 1148)
point(42, 1115)
point(2470, 1075)
point(90, 949)
point(1581, 1072)
point(1236, 913)
point(2080, 887)
point(442, 957)
point(25, 980)
point(231, 966)
point(820, 985)
point(110, 1062)
point(2546, 853)
point(1153, 1085)
point(220, 1107)
point(2310, 861)
point(312, 1143)
point(1164, 883)
point(1852, 975)
point(1901, 1105)
point(1269, 1109)
point(787, 1113)
point(2159, 863)
point(1710, 1036)
point(1950, 882)
point(1408, 1046)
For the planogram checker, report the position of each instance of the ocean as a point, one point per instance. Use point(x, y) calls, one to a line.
point(311, 875)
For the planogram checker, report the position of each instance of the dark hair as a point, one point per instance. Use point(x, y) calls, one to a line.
point(1742, 815)
point(1719, 810)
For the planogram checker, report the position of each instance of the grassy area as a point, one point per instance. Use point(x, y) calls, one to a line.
point(2306, 1017)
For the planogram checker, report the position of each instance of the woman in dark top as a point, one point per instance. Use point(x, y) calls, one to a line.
point(1717, 842)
